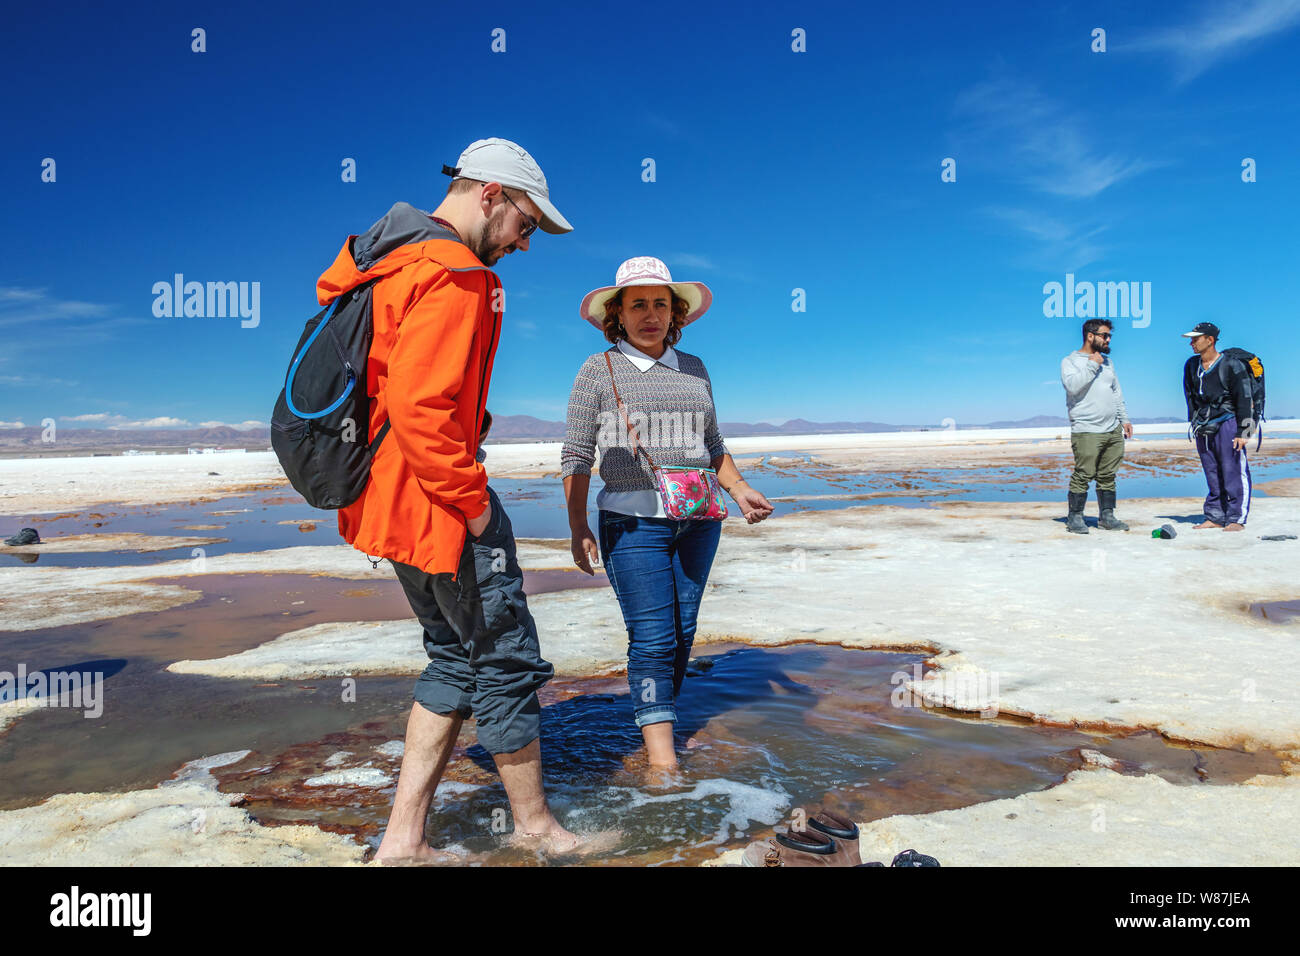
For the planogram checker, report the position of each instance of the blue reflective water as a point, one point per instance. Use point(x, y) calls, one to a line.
point(259, 521)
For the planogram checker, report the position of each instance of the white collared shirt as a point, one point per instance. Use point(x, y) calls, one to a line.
point(643, 361)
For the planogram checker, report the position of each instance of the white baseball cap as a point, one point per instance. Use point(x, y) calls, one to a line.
point(501, 161)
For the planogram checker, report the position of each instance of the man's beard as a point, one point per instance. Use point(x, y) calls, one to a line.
point(489, 240)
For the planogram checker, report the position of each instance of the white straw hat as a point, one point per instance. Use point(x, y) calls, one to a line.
point(645, 270)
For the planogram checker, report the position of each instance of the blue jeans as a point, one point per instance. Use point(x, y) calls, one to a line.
point(658, 568)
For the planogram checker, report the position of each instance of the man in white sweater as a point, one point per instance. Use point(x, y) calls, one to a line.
point(1098, 426)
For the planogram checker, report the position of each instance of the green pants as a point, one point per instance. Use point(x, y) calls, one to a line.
point(1096, 458)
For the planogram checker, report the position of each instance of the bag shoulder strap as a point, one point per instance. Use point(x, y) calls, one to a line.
point(636, 443)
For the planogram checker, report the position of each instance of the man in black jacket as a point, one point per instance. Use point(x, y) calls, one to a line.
point(1221, 410)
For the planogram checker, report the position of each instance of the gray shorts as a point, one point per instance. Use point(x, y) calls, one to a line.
point(484, 656)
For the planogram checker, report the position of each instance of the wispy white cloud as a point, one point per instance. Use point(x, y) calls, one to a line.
point(162, 421)
point(116, 421)
point(12, 425)
point(1066, 245)
point(36, 380)
point(689, 260)
point(27, 306)
point(1223, 30)
point(662, 124)
point(1049, 142)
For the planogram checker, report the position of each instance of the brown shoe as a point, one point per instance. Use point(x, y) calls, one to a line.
point(805, 848)
point(834, 825)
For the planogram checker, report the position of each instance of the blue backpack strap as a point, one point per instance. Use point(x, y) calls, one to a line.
point(302, 352)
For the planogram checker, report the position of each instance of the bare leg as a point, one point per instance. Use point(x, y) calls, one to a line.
point(430, 739)
point(535, 825)
point(521, 772)
point(662, 753)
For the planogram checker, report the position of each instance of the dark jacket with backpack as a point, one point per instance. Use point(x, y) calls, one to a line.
point(1231, 388)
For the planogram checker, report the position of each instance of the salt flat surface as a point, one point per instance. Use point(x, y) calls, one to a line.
point(115, 541)
point(1101, 818)
point(1103, 630)
point(1109, 630)
point(52, 485)
point(184, 821)
point(34, 597)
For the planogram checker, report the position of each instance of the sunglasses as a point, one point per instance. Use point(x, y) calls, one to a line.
point(530, 224)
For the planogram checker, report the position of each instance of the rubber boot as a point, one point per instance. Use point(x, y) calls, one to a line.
point(1075, 520)
point(1106, 503)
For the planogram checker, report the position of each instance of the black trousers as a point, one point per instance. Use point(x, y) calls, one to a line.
point(484, 657)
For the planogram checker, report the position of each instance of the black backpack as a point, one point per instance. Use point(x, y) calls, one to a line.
point(1255, 375)
point(321, 422)
point(1253, 369)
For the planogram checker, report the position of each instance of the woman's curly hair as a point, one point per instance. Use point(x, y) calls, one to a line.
point(612, 325)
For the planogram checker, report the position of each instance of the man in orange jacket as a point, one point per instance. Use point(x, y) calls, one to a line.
point(427, 506)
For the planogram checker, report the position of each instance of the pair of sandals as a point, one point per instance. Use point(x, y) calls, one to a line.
point(829, 840)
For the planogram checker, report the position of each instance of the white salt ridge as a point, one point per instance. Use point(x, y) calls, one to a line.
point(200, 770)
point(184, 821)
point(392, 748)
point(352, 777)
point(1100, 818)
point(747, 804)
point(335, 759)
point(39, 597)
point(450, 789)
point(11, 710)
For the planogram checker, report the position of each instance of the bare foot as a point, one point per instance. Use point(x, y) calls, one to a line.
point(1207, 523)
point(1234, 527)
point(391, 854)
point(557, 841)
point(662, 777)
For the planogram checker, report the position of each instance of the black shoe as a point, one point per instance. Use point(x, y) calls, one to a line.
point(1108, 521)
point(26, 536)
point(912, 858)
point(1075, 520)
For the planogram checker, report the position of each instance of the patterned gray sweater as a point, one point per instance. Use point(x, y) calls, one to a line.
point(671, 410)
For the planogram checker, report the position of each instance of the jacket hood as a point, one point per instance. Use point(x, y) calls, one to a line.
point(389, 244)
point(401, 225)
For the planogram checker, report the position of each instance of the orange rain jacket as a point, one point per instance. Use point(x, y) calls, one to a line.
point(435, 336)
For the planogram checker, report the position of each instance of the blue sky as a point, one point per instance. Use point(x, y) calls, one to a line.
point(775, 171)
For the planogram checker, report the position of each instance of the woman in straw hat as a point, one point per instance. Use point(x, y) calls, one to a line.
point(649, 409)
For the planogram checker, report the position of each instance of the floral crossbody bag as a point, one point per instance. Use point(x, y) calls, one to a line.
point(692, 493)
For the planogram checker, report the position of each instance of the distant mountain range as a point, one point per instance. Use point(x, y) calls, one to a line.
point(24, 442)
point(517, 428)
